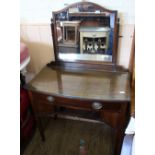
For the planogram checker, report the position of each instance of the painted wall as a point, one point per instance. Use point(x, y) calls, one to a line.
point(39, 41)
point(36, 33)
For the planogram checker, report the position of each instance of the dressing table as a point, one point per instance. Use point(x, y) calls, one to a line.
point(87, 81)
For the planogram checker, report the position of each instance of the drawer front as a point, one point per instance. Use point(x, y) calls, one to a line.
point(45, 103)
point(88, 104)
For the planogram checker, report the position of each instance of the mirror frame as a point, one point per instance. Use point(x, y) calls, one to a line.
point(85, 62)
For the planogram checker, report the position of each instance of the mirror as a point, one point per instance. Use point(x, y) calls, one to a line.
point(85, 32)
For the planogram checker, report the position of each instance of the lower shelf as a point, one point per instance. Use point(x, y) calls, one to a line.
point(94, 115)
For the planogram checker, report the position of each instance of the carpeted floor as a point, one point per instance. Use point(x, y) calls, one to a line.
point(63, 138)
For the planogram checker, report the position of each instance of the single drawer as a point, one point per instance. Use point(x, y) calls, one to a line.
point(87, 104)
point(45, 103)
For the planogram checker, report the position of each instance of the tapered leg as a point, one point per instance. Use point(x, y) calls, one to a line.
point(55, 112)
point(118, 122)
point(40, 127)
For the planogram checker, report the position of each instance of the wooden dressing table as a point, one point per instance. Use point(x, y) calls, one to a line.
point(92, 86)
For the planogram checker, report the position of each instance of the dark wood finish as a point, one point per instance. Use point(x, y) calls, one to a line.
point(80, 85)
point(94, 85)
point(53, 36)
point(78, 66)
point(132, 56)
point(44, 106)
point(132, 72)
point(78, 90)
point(38, 120)
point(86, 14)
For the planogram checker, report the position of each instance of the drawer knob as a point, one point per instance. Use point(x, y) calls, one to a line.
point(50, 98)
point(97, 105)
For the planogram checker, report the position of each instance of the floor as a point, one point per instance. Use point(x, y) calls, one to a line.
point(63, 138)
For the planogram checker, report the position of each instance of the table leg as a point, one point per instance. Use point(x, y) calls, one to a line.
point(55, 112)
point(117, 121)
point(40, 127)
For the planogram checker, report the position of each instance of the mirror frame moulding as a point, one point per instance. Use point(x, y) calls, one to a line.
point(93, 64)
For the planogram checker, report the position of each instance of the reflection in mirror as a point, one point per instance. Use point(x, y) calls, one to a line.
point(85, 33)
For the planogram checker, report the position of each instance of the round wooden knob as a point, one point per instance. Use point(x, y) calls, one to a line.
point(97, 105)
point(50, 98)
